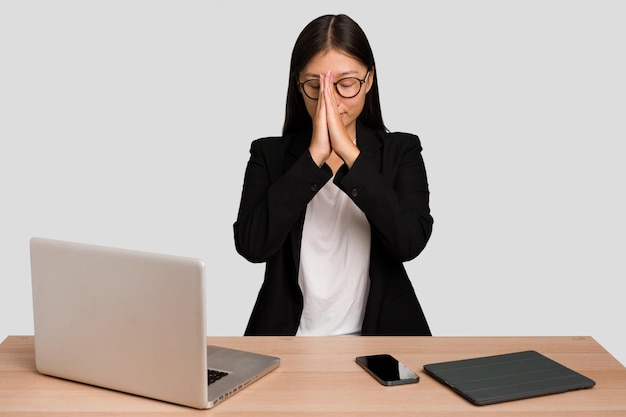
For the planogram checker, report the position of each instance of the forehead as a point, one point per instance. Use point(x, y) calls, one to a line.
point(337, 62)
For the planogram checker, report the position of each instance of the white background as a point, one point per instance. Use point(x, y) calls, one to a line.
point(128, 123)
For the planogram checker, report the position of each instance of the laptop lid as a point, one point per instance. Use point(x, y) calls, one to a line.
point(130, 321)
point(507, 377)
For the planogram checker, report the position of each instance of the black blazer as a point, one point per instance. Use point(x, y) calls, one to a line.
point(387, 182)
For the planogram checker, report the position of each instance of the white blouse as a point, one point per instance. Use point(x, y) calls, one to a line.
point(334, 265)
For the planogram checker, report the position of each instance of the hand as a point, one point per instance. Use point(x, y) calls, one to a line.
point(320, 148)
point(340, 140)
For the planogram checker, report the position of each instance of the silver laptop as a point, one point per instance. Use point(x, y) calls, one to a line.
point(134, 322)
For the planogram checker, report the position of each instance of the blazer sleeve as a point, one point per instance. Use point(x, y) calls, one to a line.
point(392, 191)
point(274, 195)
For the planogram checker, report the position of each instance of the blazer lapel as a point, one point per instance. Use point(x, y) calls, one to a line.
point(366, 139)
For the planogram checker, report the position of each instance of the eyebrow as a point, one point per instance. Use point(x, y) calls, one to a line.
point(349, 73)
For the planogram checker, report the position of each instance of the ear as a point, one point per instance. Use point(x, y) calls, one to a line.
point(370, 80)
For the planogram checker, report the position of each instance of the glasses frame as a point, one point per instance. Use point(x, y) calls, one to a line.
point(361, 82)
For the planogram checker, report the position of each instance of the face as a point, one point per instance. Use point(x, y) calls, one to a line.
point(341, 66)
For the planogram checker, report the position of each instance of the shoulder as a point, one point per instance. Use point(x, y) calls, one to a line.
point(399, 140)
point(404, 138)
point(294, 144)
point(270, 147)
point(268, 142)
point(284, 142)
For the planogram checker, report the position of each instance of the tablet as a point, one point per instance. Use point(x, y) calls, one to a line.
point(507, 377)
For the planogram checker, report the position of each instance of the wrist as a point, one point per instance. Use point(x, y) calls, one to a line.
point(349, 154)
point(319, 157)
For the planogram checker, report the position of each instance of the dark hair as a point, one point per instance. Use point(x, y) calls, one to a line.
point(327, 32)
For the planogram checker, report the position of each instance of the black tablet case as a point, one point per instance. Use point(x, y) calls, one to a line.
point(507, 377)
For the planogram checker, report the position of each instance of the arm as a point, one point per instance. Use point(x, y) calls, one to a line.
point(393, 195)
point(272, 200)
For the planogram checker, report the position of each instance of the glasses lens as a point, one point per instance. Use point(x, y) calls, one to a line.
point(312, 88)
point(349, 87)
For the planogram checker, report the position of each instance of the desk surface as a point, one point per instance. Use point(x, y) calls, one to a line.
point(318, 376)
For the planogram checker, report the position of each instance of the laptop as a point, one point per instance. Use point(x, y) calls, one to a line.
point(134, 322)
point(507, 377)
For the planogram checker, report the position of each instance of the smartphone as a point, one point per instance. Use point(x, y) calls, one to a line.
point(387, 370)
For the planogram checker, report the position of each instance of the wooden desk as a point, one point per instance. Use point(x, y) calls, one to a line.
point(318, 376)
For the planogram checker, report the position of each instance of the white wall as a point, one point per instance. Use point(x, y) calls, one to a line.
point(128, 123)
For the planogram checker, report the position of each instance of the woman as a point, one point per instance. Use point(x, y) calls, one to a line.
point(338, 203)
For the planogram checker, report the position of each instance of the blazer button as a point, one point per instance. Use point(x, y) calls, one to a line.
point(314, 187)
point(354, 192)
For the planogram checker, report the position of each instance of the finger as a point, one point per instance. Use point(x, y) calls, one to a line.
point(320, 142)
point(329, 90)
point(332, 113)
point(320, 98)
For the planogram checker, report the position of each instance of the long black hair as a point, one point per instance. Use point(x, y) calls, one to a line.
point(322, 34)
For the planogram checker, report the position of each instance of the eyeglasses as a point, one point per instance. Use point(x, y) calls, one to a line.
point(346, 87)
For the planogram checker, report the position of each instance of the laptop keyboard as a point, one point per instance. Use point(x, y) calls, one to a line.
point(215, 375)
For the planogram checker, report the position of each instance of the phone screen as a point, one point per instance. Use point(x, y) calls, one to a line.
point(387, 370)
